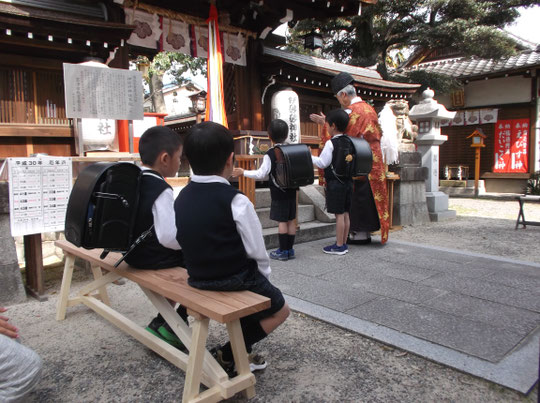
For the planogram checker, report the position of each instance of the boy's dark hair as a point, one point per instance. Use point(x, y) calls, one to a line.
point(278, 130)
point(207, 147)
point(338, 117)
point(155, 140)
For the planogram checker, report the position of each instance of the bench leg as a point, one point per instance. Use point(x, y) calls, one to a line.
point(102, 291)
point(240, 354)
point(197, 351)
point(521, 215)
point(65, 287)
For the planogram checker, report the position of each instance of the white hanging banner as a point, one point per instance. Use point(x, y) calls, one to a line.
point(147, 31)
point(472, 117)
point(235, 48)
point(176, 36)
point(459, 119)
point(488, 115)
point(200, 38)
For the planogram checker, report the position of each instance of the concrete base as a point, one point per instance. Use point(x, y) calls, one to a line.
point(410, 191)
point(442, 215)
point(11, 283)
point(437, 203)
point(461, 188)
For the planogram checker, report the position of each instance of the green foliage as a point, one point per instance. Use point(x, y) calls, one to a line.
point(533, 184)
point(176, 64)
point(470, 26)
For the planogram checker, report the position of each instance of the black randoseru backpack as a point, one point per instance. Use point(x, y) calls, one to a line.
point(102, 207)
point(294, 167)
point(352, 157)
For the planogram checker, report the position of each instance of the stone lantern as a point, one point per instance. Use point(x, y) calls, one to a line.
point(428, 115)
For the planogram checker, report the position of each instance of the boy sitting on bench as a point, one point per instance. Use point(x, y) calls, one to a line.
point(221, 237)
point(160, 149)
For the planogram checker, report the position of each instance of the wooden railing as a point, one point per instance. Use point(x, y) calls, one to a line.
point(246, 185)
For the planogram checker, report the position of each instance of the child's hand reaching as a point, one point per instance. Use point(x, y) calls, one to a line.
point(237, 172)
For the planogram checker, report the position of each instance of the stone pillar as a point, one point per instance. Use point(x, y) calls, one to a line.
point(410, 191)
point(428, 115)
point(11, 284)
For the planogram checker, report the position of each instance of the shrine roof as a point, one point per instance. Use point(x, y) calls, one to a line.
point(361, 75)
point(462, 67)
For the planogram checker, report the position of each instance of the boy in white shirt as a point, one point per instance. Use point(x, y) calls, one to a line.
point(338, 187)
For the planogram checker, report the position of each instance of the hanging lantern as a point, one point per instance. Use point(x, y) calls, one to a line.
point(313, 40)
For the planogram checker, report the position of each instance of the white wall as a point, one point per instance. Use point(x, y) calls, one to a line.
point(508, 90)
point(182, 104)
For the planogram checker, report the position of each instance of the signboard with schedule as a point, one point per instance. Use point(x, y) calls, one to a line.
point(39, 189)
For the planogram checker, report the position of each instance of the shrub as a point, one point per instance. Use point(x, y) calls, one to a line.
point(533, 184)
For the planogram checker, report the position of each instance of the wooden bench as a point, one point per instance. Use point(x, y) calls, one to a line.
point(223, 307)
point(521, 216)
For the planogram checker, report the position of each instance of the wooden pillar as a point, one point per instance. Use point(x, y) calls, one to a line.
point(476, 170)
point(33, 256)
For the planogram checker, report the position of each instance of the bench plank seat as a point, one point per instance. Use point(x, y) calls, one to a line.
point(160, 285)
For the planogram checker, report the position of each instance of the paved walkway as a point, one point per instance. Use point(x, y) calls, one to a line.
point(474, 312)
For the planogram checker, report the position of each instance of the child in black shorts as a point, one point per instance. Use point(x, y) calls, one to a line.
point(221, 236)
point(160, 149)
point(283, 205)
point(338, 188)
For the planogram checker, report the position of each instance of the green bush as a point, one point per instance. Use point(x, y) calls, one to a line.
point(533, 184)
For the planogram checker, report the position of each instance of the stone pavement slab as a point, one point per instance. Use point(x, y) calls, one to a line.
point(471, 311)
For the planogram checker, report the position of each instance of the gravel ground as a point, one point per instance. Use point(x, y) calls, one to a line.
point(88, 360)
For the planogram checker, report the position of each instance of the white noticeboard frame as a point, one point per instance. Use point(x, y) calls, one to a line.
point(39, 189)
point(94, 92)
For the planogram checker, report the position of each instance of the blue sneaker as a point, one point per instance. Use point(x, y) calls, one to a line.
point(346, 247)
point(279, 254)
point(335, 250)
point(291, 254)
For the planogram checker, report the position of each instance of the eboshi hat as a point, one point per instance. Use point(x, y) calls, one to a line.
point(340, 81)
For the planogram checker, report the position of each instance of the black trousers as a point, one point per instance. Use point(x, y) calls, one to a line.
point(363, 214)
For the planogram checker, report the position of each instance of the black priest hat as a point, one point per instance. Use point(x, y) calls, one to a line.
point(340, 81)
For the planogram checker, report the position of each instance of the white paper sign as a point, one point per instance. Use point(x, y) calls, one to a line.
point(93, 92)
point(39, 191)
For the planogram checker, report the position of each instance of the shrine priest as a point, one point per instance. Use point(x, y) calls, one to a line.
point(369, 209)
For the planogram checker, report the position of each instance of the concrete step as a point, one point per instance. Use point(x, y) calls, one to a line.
point(305, 213)
point(262, 198)
point(308, 231)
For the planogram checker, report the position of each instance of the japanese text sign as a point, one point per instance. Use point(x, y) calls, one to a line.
point(511, 145)
point(94, 92)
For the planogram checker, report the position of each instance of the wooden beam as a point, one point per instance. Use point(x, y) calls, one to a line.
point(34, 130)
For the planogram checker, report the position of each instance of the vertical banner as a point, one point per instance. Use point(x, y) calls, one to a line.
point(215, 100)
point(511, 146)
point(518, 150)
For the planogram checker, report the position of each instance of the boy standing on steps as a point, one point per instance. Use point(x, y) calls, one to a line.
point(221, 236)
point(338, 188)
point(160, 149)
point(283, 205)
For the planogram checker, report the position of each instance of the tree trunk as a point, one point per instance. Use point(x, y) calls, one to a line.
point(381, 64)
point(156, 89)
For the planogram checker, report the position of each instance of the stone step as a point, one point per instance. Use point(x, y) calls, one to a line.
point(305, 213)
point(262, 198)
point(308, 231)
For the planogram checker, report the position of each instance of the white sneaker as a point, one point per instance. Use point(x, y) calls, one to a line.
point(256, 362)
